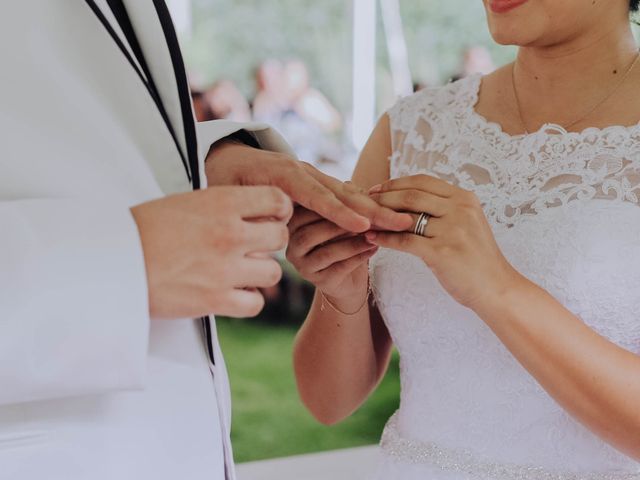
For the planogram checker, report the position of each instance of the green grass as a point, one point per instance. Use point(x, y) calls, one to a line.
point(268, 418)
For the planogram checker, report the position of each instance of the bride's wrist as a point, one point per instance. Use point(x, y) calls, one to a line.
point(508, 296)
point(350, 304)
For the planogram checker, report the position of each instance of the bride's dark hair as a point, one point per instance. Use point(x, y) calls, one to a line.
point(634, 5)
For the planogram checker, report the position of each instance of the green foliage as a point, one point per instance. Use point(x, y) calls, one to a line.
point(438, 32)
point(268, 418)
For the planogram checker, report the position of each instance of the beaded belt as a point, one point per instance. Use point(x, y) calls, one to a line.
point(460, 461)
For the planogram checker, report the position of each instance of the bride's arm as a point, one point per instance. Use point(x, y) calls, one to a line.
point(593, 379)
point(340, 358)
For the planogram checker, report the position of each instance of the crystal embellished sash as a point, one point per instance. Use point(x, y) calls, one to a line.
point(461, 461)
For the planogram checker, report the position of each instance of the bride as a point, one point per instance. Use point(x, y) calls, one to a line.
point(515, 301)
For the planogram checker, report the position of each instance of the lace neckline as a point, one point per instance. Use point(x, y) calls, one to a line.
point(474, 83)
point(515, 176)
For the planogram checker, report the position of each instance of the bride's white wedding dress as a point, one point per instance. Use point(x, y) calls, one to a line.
point(564, 209)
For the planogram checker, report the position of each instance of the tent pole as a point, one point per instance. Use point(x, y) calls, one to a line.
point(364, 70)
point(397, 47)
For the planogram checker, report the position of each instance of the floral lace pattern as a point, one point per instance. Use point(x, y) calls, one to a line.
point(439, 131)
point(564, 210)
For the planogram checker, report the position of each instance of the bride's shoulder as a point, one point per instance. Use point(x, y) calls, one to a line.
point(449, 98)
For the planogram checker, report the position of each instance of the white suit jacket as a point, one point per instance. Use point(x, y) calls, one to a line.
point(89, 387)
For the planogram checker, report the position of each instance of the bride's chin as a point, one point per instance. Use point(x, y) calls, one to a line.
point(515, 38)
point(518, 32)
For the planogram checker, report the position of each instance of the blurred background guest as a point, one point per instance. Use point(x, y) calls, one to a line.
point(475, 60)
point(307, 102)
point(226, 102)
point(200, 106)
point(271, 99)
point(221, 101)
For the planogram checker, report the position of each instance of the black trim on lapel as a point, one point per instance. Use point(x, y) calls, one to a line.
point(206, 327)
point(183, 89)
point(190, 163)
point(189, 126)
point(123, 19)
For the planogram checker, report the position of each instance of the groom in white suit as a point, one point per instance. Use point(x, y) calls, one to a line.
point(107, 255)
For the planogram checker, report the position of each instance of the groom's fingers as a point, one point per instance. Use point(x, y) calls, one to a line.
point(358, 200)
point(306, 190)
point(260, 202)
point(240, 303)
point(264, 236)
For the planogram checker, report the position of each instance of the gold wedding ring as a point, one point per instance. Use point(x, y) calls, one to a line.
point(421, 224)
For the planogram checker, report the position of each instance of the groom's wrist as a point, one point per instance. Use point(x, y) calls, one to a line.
point(240, 138)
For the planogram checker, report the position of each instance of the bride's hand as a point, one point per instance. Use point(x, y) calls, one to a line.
point(331, 258)
point(458, 244)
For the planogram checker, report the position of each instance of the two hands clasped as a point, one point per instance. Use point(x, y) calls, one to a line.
point(209, 251)
point(457, 245)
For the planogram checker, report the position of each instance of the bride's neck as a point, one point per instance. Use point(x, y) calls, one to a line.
point(573, 73)
point(573, 58)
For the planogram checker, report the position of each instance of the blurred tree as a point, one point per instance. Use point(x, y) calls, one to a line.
point(231, 37)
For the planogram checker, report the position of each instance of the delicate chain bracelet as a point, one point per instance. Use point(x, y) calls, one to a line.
point(325, 300)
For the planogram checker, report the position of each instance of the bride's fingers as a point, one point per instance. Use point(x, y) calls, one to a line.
point(405, 242)
point(335, 252)
point(301, 217)
point(435, 226)
point(413, 200)
point(310, 236)
point(357, 199)
point(422, 182)
point(339, 271)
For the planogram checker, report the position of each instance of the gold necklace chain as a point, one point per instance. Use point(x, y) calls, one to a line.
point(593, 109)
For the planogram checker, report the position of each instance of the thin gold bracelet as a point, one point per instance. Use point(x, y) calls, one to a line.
point(326, 300)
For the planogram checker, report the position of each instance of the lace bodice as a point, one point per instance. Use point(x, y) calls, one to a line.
point(564, 210)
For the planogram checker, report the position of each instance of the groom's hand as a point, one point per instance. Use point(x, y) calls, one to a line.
point(344, 204)
point(207, 252)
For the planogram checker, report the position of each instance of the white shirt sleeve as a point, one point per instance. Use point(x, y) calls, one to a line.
point(213, 131)
point(74, 317)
